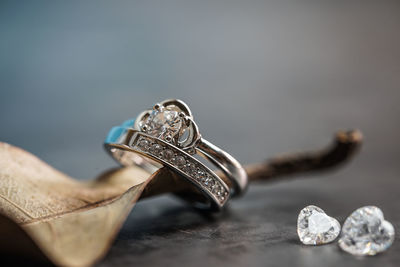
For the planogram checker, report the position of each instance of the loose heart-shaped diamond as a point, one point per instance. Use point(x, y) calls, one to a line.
point(365, 232)
point(314, 227)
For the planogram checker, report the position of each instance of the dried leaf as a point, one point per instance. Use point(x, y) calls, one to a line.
point(59, 213)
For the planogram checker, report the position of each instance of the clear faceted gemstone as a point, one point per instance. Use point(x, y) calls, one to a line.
point(209, 182)
point(191, 169)
point(179, 161)
point(218, 190)
point(315, 227)
point(365, 232)
point(200, 175)
point(168, 154)
point(156, 149)
point(163, 123)
point(144, 144)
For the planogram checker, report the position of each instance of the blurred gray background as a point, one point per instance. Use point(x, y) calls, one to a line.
point(262, 77)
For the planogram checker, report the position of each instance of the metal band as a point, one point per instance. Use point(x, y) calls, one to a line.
point(129, 146)
point(221, 159)
point(167, 135)
point(228, 164)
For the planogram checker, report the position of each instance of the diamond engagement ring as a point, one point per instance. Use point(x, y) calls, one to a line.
point(168, 136)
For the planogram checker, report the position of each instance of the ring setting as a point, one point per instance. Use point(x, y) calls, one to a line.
point(167, 135)
point(171, 121)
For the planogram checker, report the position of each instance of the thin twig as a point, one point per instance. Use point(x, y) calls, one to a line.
point(342, 149)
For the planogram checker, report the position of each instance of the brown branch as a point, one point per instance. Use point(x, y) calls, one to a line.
point(342, 149)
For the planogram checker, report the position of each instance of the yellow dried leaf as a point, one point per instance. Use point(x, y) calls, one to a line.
point(72, 222)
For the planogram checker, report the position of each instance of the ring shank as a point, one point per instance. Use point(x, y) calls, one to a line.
point(125, 146)
point(129, 158)
point(228, 164)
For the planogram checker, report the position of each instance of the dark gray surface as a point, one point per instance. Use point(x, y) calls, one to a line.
point(280, 76)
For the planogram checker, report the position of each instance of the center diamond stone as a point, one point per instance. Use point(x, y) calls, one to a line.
point(163, 123)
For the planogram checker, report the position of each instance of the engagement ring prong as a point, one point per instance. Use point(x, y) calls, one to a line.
point(144, 128)
point(168, 138)
point(157, 107)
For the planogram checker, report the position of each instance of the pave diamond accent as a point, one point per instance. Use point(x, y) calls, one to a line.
point(179, 161)
point(156, 149)
point(366, 232)
point(143, 144)
point(315, 227)
point(191, 168)
point(184, 163)
point(167, 154)
point(210, 182)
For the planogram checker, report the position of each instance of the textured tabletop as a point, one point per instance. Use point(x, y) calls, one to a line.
point(261, 78)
